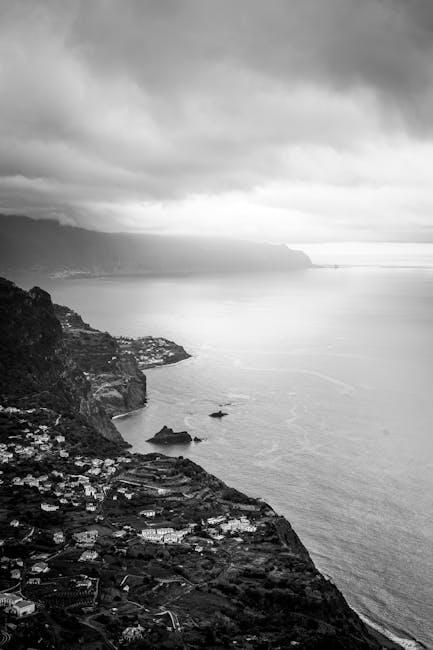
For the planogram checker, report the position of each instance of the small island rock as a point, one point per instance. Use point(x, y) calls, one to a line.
point(218, 414)
point(169, 437)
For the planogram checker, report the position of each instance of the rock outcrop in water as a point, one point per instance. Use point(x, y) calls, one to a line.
point(167, 436)
point(218, 414)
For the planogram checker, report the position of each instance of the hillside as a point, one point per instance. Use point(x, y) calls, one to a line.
point(44, 245)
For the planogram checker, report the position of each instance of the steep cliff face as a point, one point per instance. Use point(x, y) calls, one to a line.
point(117, 383)
point(36, 368)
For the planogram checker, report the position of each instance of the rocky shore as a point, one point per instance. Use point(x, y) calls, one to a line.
point(102, 548)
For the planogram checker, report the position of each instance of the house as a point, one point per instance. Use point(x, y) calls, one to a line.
point(86, 537)
point(60, 439)
point(88, 556)
point(147, 513)
point(133, 633)
point(86, 583)
point(23, 607)
point(90, 507)
point(215, 520)
point(7, 598)
point(174, 537)
point(34, 581)
point(58, 537)
point(49, 507)
point(40, 567)
point(89, 490)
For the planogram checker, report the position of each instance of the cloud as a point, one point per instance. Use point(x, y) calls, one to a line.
point(276, 120)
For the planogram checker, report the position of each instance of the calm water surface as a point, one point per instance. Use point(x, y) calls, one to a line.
point(327, 376)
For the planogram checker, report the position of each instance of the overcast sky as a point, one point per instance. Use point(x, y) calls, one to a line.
point(287, 120)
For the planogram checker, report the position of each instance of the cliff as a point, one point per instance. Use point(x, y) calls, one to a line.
point(36, 369)
point(49, 247)
point(116, 380)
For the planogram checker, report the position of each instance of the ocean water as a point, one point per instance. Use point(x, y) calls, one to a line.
point(327, 377)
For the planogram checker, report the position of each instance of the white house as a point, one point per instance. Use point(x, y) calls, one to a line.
point(133, 633)
point(58, 537)
point(88, 556)
point(23, 607)
point(86, 537)
point(40, 567)
point(147, 513)
point(49, 507)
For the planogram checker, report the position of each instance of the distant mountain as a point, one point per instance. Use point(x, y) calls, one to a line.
point(46, 246)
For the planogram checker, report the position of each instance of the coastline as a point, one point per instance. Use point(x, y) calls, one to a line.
point(378, 631)
point(388, 639)
point(125, 415)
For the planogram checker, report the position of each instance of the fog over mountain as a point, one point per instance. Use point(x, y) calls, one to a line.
point(27, 244)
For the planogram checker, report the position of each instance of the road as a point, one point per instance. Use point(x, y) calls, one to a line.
point(28, 536)
point(5, 637)
point(174, 619)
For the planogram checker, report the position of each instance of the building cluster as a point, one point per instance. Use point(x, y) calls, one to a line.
point(218, 527)
point(165, 535)
point(148, 351)
point(16, 604)
point(85, 487)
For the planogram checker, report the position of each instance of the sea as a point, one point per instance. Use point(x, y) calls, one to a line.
point(327, 378)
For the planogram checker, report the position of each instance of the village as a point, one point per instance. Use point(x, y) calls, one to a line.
point(115, 542)
point(151, 352)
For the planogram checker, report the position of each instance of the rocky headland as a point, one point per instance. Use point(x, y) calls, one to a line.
point(102, 548)
point(113, 365)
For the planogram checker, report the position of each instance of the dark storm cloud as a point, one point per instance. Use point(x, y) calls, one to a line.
point(383, 44)
point(112, 104)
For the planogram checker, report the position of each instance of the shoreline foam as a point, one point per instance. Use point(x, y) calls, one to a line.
point(407, 643)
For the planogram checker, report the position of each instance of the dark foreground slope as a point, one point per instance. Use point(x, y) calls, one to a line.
point(35, 367)
point(49, 247)
point(112, 549)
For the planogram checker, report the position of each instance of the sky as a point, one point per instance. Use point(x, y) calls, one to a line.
point(273, 120)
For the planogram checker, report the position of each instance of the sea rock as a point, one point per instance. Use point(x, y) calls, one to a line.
point(218, 414)
point(169, 437)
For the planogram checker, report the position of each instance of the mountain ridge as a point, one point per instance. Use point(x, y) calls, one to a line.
point(48, 246)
